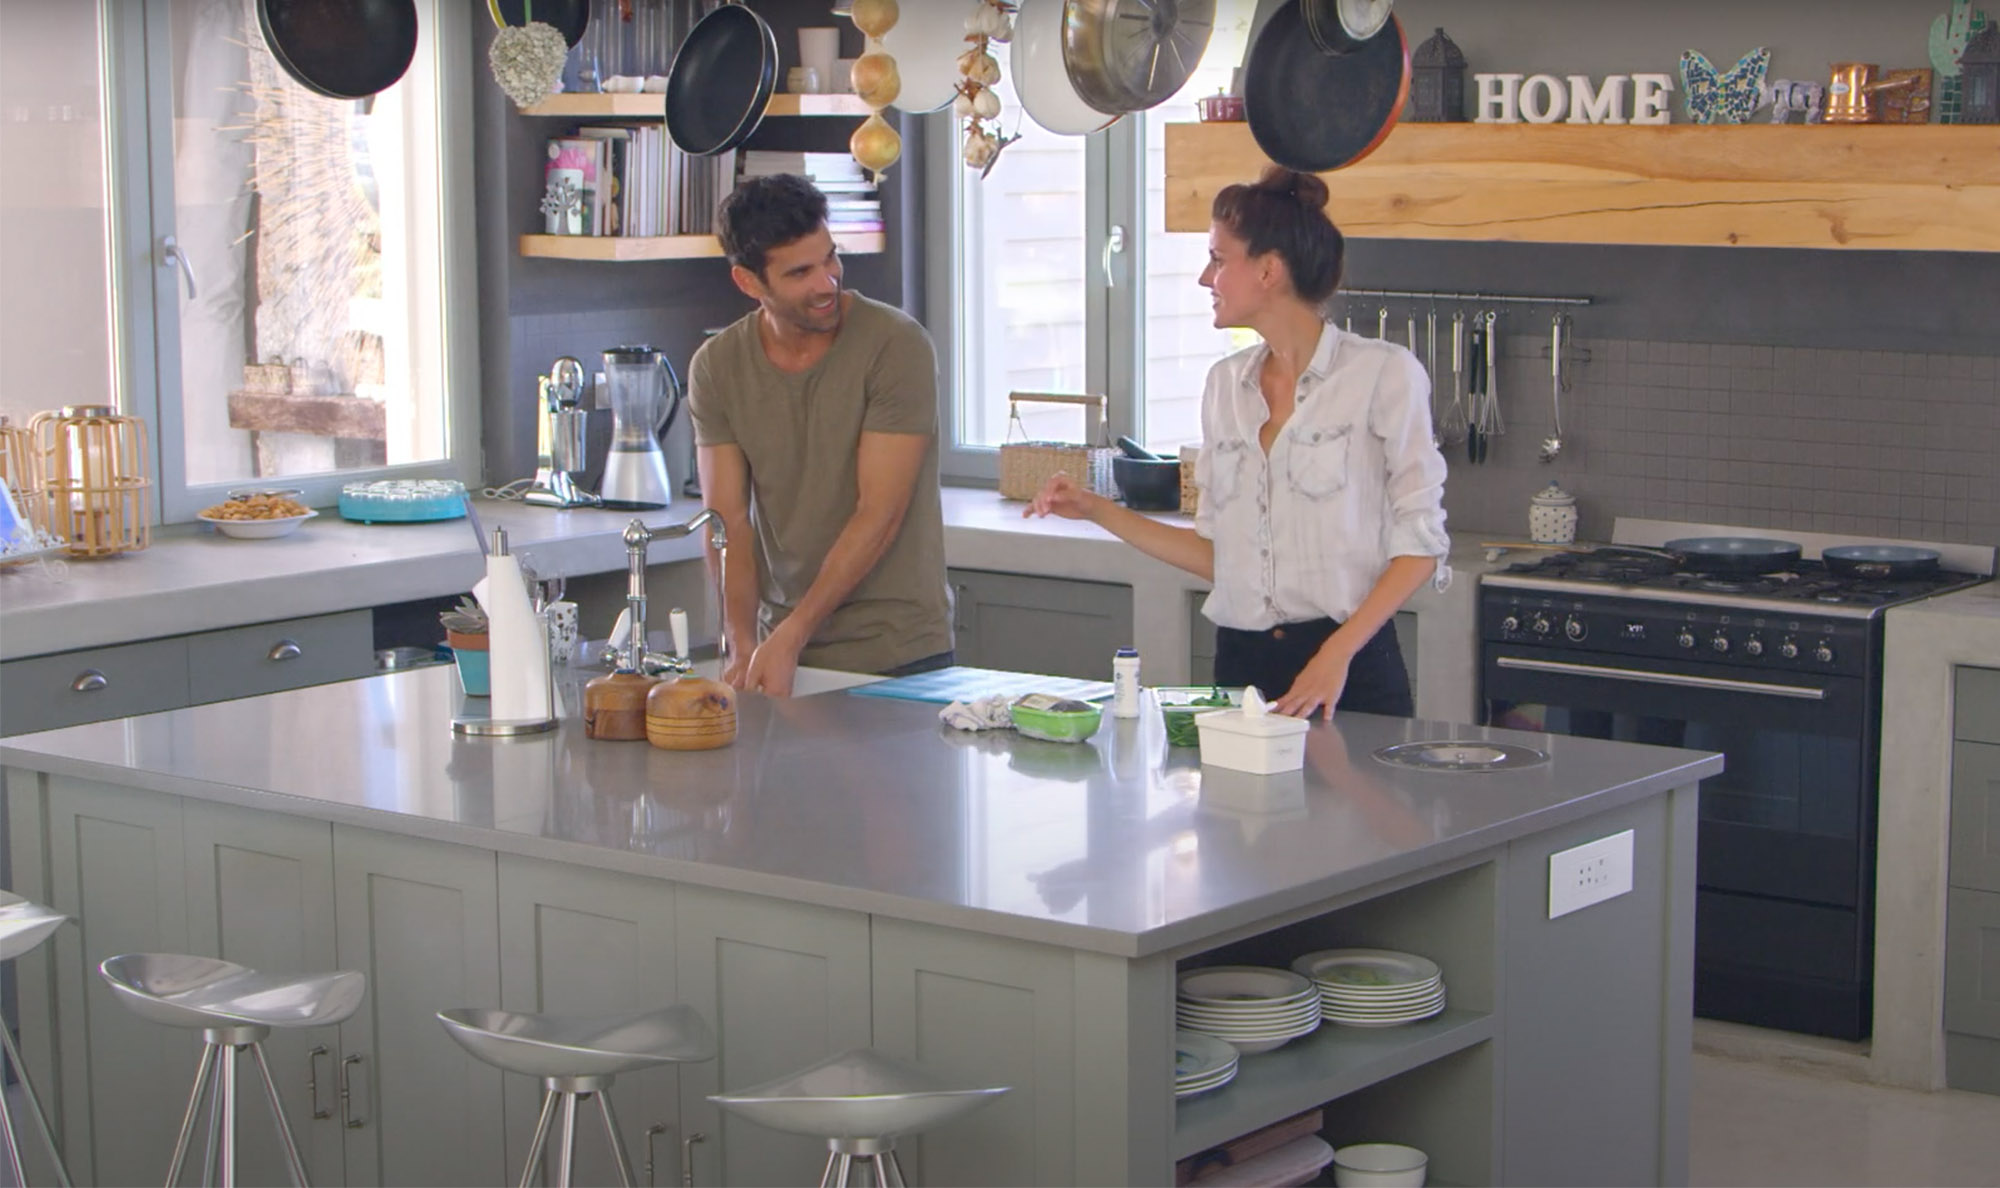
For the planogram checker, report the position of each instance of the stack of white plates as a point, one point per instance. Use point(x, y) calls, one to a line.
point(1373, 987)
point(1253, 1008)
point(1201, 1063)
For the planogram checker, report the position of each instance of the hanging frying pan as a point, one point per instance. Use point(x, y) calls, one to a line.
point(570, 17)
point(1343, 26)
point(1734, 556)
point(1128, 55)
point(721, 81)
point(1890, 562)
point(343, 49)
point(1313, 111)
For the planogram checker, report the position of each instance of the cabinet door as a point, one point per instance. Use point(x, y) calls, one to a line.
point(260, 893)
point(420, 919)
point(578, 941)
point(1035, 624)
point(1972, 963)
point(1975, 816)
point(116, 867)
point(984, 1011)
point(785, 985)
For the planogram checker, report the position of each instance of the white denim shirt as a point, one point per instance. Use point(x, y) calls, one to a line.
point(1351, 481)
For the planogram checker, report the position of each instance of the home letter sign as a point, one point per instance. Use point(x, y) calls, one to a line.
point(1542, 99)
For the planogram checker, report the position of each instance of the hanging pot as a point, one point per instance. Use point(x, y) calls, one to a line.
point(1884, 562)
point(569, 17)
point(721, 81)
point(343, 49)
point(1734, 556)
point(1128, 55)
point(1035, 60)
point(1330, 32)
point(1312, 111)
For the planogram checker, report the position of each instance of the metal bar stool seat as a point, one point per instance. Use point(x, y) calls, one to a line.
point(577, 1057)
point(234, 1007)
point(860, 1102)
point(23, 926)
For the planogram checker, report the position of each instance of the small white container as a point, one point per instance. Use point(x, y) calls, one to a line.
point(1380, 1165)
point(1552, 516)
point(1125, 683)
point(1261, 744)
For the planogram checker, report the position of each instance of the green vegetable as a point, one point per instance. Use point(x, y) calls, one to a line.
point(1179, 719)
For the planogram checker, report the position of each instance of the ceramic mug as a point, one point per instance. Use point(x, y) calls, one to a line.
point(562, 623)
point(819, 49)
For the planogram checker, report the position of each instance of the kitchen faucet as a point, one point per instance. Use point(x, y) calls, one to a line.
point(634, 656)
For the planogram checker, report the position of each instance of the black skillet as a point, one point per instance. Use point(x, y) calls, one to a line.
point(570, 17)
point(1734, 556)
point(721, 81)
point(1313, 111)
point(343, 49)
point(1885, 562)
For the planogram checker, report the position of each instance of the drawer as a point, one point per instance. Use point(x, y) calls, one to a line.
point(1972, 963)
point(1976, 716)
point(45, 692)
point(287, 654)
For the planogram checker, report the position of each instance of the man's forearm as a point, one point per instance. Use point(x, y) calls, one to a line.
point(855, 552)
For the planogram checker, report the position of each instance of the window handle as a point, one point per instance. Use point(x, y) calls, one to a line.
point(1113, 244)
point(171, 253)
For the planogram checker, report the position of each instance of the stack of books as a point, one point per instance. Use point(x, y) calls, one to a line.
point(634, 182)
point(852, 203)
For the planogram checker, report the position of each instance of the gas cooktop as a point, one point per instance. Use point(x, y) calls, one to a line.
point(1639, 574)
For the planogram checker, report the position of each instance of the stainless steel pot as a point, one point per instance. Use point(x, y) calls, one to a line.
point(1129, 55)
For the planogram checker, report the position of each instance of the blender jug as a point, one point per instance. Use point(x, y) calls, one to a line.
point(645, 394)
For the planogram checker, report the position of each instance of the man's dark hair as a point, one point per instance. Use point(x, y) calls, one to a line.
point(767, 212)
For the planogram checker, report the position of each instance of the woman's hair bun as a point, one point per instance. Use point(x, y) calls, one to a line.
point(1307, 189)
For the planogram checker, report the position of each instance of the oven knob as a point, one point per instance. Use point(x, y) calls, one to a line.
point(1541, 625)
point(1754, 646)
point(1575, 628)
point(1511, 624)
point(1685, 638)
point(1720, 643)
point(1823, 652)
point(1789, 649)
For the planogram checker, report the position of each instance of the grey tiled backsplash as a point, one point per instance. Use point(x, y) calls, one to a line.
point(1874, 443)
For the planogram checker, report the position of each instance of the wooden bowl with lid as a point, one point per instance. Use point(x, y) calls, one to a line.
point(691, 714)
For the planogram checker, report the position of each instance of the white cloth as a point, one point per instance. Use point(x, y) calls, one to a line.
point(1352, 480)
point(985, 713)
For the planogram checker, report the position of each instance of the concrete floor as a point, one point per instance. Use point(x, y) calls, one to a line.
point(1758, 1123)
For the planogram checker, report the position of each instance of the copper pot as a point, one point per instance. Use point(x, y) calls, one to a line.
point(1850, 94)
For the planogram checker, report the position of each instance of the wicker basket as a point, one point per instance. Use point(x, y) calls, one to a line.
point(273, 377)
point(1026, 465)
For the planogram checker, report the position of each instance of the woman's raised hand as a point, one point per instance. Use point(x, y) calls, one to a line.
point(1061, 496)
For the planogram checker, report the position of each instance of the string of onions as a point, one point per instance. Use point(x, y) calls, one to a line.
point(979, 73)
point(876, 144)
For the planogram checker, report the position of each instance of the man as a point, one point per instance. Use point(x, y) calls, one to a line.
point(816, 436)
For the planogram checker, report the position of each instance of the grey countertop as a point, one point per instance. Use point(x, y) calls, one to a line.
point(1117, 845)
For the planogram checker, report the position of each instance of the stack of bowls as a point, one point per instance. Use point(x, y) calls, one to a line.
point(1373, 987)
point(1252, 1008)
point(1201, 1063)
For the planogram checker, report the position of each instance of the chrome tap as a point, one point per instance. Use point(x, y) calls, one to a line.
point(635, 656)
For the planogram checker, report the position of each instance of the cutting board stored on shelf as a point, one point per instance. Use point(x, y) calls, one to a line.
point(960, 683)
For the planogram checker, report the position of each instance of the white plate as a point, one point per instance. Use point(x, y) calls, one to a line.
point(1223, 1031)
point(1366, 969)
point(259, 529)
point(1331, 995)
point(1290, 1009)
point(1229, 985)
point(1419, 1009)
point(1215, 1078)
point(1196, 1054)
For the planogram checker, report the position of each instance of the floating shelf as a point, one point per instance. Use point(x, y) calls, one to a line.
point(628, 248)
point(1901, 187)
point(594, 105)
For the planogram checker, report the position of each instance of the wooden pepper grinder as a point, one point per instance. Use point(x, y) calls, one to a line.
point(614, 706)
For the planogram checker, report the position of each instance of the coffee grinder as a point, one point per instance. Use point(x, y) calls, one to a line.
point(645, 394)
point(560, 439)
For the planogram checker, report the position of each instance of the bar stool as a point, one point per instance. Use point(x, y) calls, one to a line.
point(24, 925)
point(578, 1056)
point(860, 1102)
point(234, 1007)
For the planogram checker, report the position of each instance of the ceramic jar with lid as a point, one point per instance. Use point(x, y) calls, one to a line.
point(1552, 516)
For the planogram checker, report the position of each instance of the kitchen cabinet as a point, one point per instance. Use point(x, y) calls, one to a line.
point(1972, 908)
point(784, 985)
point(1023, 623)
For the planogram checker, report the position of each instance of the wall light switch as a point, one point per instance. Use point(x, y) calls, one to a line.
point(1590, 873)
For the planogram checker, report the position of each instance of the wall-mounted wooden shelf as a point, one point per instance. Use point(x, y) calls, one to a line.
point(1927, 187)
point(629, 248)
point(639, 107)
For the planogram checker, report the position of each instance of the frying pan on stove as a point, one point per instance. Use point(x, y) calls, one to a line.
point(343, 49)
point(1734, 556)
point(721, 81)
point(1313, 111)
point(1880, 561)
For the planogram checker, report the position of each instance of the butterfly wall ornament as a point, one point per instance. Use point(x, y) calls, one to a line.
point(1723, 98)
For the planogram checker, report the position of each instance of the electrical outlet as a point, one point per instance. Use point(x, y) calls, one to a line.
point(1590, 873)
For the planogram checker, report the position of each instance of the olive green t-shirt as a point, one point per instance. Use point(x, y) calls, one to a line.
point(799, 433)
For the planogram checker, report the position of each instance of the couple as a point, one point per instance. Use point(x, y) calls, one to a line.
point(1321, 494)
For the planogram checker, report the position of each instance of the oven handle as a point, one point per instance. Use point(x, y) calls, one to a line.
point(1662, 678)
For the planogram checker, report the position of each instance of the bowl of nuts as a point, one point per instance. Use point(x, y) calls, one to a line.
point(258, 515)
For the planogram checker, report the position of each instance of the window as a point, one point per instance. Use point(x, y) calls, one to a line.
point(216, 217)
point(1049, 289)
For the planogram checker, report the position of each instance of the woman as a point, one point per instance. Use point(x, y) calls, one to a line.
point(1321, 494)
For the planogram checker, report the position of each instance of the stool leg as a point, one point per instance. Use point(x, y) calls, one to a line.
point(846, 1170)
point(541, 1136)
point(617, 1143)
point(826, 1178)
point(34, 1108)
point(194, 1106)
point(7, 1134)
point(229, 1116)
point(278, 1111)
point(889, 1170)
point(211, 1156)
point(566, 1142)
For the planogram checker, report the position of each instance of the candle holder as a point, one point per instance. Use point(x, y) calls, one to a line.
point(93, 478)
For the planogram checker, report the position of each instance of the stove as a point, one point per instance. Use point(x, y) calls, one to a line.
point(1780, 672)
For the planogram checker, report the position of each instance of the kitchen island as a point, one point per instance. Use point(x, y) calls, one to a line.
point(1004, 910)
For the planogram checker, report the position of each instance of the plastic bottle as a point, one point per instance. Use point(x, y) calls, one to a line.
point(1125, 683)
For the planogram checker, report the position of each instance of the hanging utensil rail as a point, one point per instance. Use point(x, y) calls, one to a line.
point(1426, 295)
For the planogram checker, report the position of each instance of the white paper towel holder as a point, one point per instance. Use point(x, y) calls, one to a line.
point(482, 726)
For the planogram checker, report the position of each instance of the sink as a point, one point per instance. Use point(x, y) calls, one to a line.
point(805, 683)
point(1461, 755)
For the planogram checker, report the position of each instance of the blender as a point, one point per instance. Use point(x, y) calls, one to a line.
point(645, 394)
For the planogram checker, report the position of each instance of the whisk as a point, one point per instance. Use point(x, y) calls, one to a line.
point(1453, 428)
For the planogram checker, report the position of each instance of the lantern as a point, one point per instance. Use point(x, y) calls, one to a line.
point(1979, 78)
point(21, 470)
point(93, 469)
point(1437, 82)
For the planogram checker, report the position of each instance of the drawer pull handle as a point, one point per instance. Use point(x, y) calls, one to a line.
point(89, 681)
point(312, 1081)
point(687, 1157)
point(652, 1132)
point(285, 649)
point(347, 1094)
